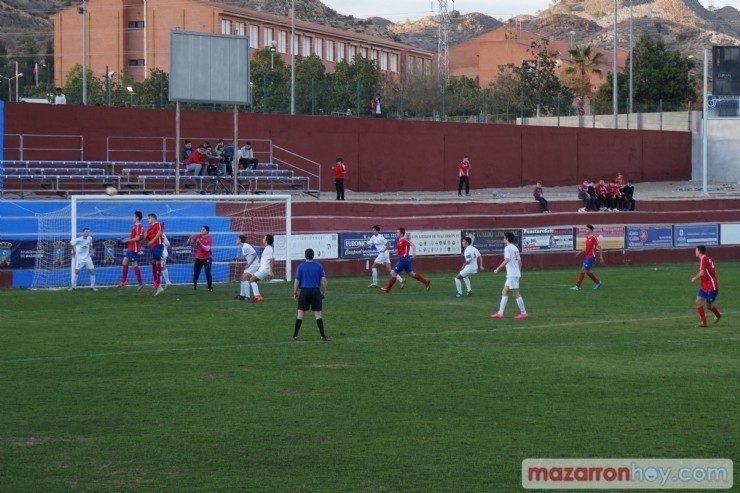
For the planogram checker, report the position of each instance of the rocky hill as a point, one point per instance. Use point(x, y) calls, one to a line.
point(683, 24)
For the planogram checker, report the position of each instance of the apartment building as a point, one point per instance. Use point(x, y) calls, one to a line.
point(135, 34)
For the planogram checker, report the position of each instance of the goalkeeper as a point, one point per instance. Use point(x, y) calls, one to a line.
point(203, 256)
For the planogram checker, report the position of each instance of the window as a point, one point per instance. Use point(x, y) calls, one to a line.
point(374, 55)
point(427, 67)
point(241, 29)
point(254, 37)
point(384, 61)
point(136, 24)
point(330, 51)
point(363, 52)
point(341, 55)
point(352, 53)
point(136, 62)
point(410, 65)
point(283, 42)
point(306, 45)
point(225, 26)
point(268, 37)
point(296, 44)
point(419, 66)
point(319, 47)
point(394, 62)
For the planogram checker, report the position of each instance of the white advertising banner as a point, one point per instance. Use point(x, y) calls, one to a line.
point(729, 234)
point(445, 242)
point(325, 246)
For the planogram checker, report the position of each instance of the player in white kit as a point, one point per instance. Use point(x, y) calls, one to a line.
point(265, 268)
point(378, 241)
point(513, 263)
point(250, 256)
point(473, 263)
point(82, 251)
point(165, 255)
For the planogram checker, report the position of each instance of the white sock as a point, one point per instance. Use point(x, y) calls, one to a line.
point(502, 306)
point(74, 281)
point(255, 288)
point(467, 283)
point(375, 275)
point(92, 280)
point(458, 286)
point(399, 278)
point(520, 303)
point(166, 275)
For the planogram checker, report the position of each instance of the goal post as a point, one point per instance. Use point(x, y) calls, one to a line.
point(110, 219)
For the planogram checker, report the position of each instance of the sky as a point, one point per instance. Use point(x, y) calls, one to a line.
point(400, 10)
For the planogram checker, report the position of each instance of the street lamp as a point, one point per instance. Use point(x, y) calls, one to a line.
point(10, 79)
point(131, 93)
point(273, 49)
point(572, 33)
point(83, 10)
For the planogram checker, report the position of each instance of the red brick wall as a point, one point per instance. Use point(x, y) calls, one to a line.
point(389, 155)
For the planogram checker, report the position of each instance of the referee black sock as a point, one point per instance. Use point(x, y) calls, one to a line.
point(320, 323)
point(298, 323)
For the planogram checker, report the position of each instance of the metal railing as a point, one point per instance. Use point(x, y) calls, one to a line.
point(38, 146)
point(307, 162)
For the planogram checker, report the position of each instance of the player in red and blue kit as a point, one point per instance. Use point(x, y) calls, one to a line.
point(709, 289)
point(156, 246)
point(132, 251)
point(404, 246)
point(592, 246)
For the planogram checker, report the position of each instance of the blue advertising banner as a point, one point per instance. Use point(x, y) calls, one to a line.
point(351, 245)
point(649, 237)
point(695, 234)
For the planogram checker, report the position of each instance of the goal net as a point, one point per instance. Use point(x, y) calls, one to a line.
point(110, 220)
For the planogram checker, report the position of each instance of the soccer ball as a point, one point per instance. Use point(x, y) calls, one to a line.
point(111, 191)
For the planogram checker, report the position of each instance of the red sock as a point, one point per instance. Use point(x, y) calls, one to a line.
point(125, 273)
point(391, 283)
point(580, 279)
point(593, 276)
point(421, 279)
point(702, 315)
point(716, 311)
point(155, 278)
point(137, 271)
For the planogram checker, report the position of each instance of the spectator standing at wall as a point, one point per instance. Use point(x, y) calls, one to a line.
point(628, 192)
point(340, 171)
point(376, 107)
point(539, 196)
point(246, 156)
point(463, 171)
point(60, 98)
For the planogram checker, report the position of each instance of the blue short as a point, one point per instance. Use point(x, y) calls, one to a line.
point(404, 264)
point(710, 296)
point(589, 262)
point(157, 252)
point(132, 256)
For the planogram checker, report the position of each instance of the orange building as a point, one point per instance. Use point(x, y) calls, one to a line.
point(479, 58)
point(135, 34)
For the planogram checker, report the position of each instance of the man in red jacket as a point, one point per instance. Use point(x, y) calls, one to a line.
point(203, 256)
point(340, 171)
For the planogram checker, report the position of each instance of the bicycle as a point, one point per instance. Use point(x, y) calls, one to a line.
point(220, 185)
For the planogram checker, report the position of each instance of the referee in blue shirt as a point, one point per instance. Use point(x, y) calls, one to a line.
point(310, 278)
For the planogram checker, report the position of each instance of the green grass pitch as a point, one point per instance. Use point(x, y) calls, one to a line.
point(416, 391)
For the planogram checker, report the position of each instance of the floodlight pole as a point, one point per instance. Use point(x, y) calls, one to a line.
point(629, 112)
point(84, 52)
point(292, 59)
point(177, 147)
point(705, 106)
point(615, 103)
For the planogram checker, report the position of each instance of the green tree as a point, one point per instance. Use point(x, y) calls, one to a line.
point(270, 78)
point(463, 97)
point(311, 85)
point(503, 96)
point(584, 63)
point(661, 79)
point(348, 76)
point(73, 87)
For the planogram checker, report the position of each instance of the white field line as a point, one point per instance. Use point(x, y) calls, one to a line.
point(518, 326)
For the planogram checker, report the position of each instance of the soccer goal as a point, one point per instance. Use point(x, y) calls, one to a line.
point(110, 219)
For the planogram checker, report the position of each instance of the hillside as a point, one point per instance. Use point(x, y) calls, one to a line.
point(683, 24)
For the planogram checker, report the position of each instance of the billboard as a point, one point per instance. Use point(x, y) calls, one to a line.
point(726, 70)
point(325, 246)
point(610, 237)
point(547, 239)
point(445, 242)
point(209, 68)
point(649, 237)
point(695, 234)
point(730, 234)
point(351, 245)
point(489, 241)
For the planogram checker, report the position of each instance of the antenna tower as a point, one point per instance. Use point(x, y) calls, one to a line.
point(443, 47)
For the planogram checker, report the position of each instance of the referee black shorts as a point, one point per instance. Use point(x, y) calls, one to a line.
point(310, 299)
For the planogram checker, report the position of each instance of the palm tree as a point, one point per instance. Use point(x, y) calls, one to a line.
point(584, 62)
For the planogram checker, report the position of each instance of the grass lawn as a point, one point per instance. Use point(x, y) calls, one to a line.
point(416, 391)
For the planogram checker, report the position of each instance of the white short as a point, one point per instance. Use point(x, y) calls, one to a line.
point(262, 272)
point(86, 263)
point(383, 258)
point(468, 271)
point(252, 268)
point(512, 283)
point(164, 254)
